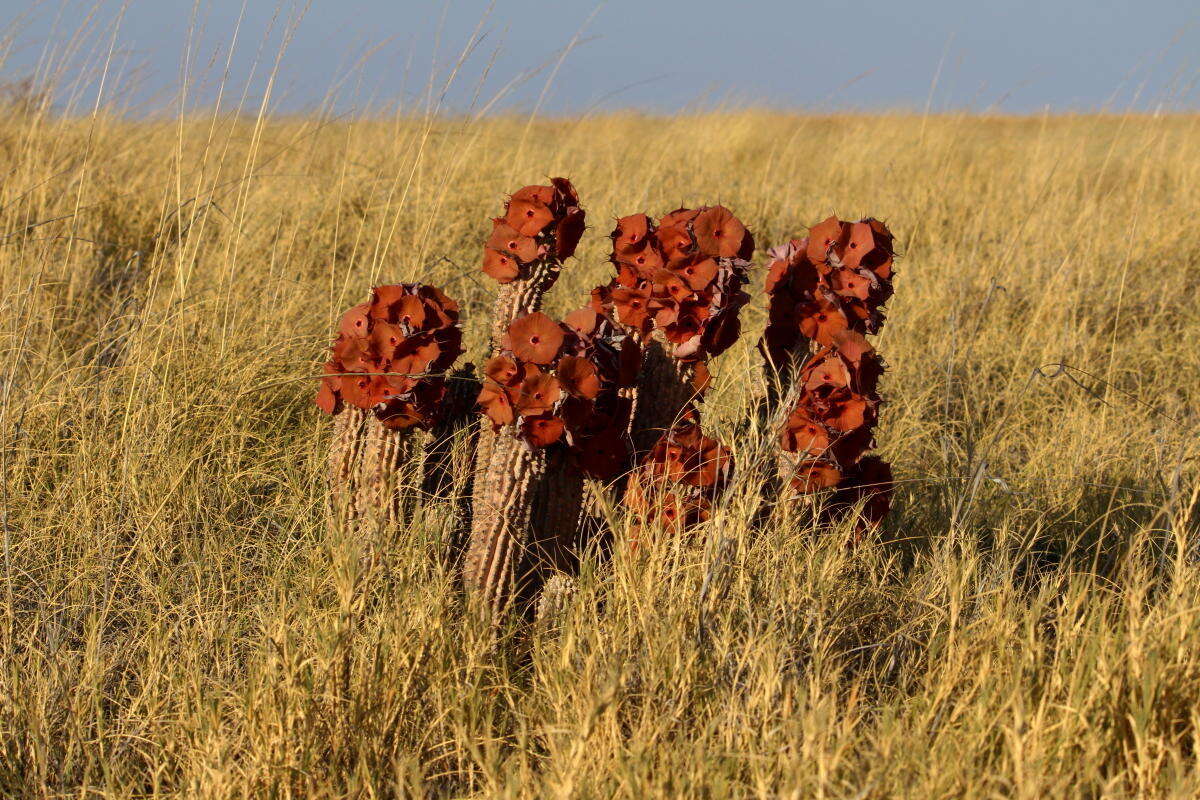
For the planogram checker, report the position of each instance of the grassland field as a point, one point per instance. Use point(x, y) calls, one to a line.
point(178, 619)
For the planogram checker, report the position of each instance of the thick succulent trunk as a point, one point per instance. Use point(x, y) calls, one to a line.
point(372, 477)
point(553, 602)
point(500, 520)
point(449, 459)
point(345, 456)
point(556, 502)
point(664, 393)
point(523, 517)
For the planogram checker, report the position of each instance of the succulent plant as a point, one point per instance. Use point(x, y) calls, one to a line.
point(835, 279)
point(558, 383)
point(677, 481)
point(678, 291)
point(384, 380)
point(522, 474)
point(826, 291)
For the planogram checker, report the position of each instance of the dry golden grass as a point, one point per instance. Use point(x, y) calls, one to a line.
point(176, 618)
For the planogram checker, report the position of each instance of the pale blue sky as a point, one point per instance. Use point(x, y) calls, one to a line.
point(1015, 55)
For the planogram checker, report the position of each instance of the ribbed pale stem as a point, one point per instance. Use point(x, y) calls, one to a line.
point(508, 475)
point(664, 392)
point(345, 457)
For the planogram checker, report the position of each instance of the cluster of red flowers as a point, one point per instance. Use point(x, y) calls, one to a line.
point(391, 354)
point(559, 381)
point(679, 478)
point(539, 222)
point(829, 430)
point(682, 276)
point(835, 280)
point(829, 290)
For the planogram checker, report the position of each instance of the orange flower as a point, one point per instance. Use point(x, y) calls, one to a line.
point(385, 338)
point(535, 338)
point(680, 216)
point(542, 431)
point(415, 359)
point(630, 232)
point(856, 241)
point(439, 299)
point(583, 321)
point(802, 434)
point(329, 398)
point(352, 352)
point(538, 394)
point(632, 306)
point(364, 391)
point(502, 267)
point(535, 194)
point(496, 404)
point(854, 411)
point(676, 243)
point(502, 370)
point(383, 298)
point(505, 238)
point(697, 272)
point(821, 239)
point(356, 321)
point(822, 319)
point(825, 371)
point(813, 476)
point(668, 284)
point(578, 376)
point(718, 232)
point(644, 258)
point(528, 217)
point(709, 466)
point(848, 282)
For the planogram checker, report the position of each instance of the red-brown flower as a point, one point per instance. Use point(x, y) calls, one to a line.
point(535, 338)
point(828, 290)
point(539, 222)
point(391, 354)
point(678, 479)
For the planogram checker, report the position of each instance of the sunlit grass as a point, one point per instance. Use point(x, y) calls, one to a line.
point(176, 616)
